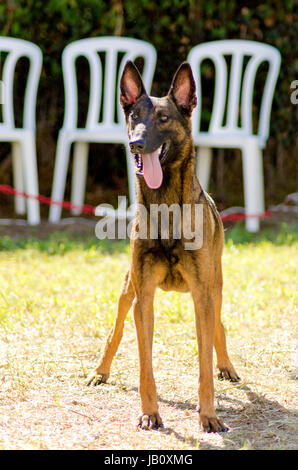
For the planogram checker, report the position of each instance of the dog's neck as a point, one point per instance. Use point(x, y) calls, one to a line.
point(179, 182)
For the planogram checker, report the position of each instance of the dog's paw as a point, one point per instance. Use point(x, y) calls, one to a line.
point(228, 373)
point(212, 424)
point(152, 421)
point(95, 379)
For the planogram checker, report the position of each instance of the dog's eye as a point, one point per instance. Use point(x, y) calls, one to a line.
point(163, 118)
point(134, 116)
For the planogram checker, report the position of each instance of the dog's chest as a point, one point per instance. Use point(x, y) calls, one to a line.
point(169, 253)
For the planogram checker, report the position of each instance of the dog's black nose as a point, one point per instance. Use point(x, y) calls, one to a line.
point(137, 146)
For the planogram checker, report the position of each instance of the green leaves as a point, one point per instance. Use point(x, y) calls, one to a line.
point(173, 27)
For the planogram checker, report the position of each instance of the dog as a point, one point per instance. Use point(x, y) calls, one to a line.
point(159, 132)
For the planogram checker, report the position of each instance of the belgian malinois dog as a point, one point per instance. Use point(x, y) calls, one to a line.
point(159, 132)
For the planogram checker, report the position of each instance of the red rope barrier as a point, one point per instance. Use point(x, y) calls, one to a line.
point(6, 189)
point(236, 217)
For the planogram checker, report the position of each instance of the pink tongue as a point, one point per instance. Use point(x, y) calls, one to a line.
point(152, 170)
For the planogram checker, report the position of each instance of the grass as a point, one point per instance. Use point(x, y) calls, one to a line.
point(57, 303)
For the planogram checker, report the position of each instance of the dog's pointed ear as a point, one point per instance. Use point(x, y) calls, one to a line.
point(183, 89)
point(131, 85)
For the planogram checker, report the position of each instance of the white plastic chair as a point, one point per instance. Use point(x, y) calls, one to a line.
point(22, 139)
point(108, 130)
point(231, 135)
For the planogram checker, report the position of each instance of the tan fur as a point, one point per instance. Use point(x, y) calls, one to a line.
point(167, 265)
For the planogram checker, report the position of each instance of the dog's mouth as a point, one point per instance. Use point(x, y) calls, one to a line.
point(148, 165)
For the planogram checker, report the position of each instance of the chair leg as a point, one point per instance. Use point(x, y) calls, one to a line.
point(18, 177)
point(253, 183)
point(79, 175)
point(204, 160)
point(60, 173)
point(30, 177)
point(130, 175)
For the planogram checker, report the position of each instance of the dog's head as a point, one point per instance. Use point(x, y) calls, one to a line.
point(157, 127)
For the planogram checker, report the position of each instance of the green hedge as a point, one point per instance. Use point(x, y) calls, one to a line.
point(173, 27)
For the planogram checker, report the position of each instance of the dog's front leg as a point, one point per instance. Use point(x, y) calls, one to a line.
point(205, 326)
point(143, 315)
point(144, 321)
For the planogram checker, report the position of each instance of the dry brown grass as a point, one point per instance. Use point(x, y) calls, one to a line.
point(44, 404)
point(55, 313)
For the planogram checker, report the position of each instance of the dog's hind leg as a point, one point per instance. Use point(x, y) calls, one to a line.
point(102, 371)
point(226, 369)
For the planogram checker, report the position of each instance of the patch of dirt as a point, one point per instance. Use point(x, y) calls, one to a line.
point(85, 225)
point(45, 404)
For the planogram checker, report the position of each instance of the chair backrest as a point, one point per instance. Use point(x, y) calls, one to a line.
point(117, 51)
point(16, 49)
point(240, 79)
